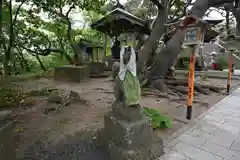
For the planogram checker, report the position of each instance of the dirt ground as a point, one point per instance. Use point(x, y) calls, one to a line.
point(66, 133)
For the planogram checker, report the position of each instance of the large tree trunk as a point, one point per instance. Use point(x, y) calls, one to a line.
point(63, 51)
point(236, 13)
point(7, 53)
point(165, 59)
point(152, 40)
point(238, 29)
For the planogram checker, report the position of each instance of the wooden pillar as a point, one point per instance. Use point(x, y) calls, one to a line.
point(191, 82)
point(229, 71)
point(105, 48)
point(134, 40)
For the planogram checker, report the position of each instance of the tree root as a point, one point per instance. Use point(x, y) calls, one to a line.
point(159, 85)
point(173, 92)
point(181, 89)
point(199, 89)
point(149, 91)
point(178, 87)
point(213, 88)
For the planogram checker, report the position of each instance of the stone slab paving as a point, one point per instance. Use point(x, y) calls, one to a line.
point(216, 136)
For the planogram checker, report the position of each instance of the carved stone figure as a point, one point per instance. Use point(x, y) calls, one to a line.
point(127, 87)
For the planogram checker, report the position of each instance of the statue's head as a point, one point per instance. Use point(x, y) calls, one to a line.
point(127, 54)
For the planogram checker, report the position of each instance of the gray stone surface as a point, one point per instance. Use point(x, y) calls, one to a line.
point(236, 146)
point(194, 152)
point(129, 140)
point(194, 141)
point(215, 137)
point(216, 149)
point(127, 113)
point(211, 137)
point(127, 134)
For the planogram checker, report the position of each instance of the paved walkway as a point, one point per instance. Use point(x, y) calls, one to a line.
point(215, 137)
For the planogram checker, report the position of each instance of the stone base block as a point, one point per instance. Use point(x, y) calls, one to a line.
point(7, 141)
point(97, 67)
point(132, 113)
point(127, 134)
point(129, 140)
point(72, 73)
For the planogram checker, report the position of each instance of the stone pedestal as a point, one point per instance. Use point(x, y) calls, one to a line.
point(128, 135)
point(97, 67)
point(72, 73)
point(7, 141)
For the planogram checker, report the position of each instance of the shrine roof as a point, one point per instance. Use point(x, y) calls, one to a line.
point(120, 21)
point(86, 43)
point(213, 21)
point(210, 34)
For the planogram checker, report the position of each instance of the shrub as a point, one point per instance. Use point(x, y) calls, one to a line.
point(159, 121)
point(221, 63)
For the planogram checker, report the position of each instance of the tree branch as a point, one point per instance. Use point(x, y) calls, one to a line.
point(69, 10)
point(17, 11)
point(42, 52)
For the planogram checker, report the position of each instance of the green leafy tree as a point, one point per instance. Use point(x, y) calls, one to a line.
point(24, 31)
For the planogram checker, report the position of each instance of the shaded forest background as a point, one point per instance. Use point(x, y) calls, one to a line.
point(38, 35)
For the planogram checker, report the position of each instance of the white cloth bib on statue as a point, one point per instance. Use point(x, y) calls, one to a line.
point(131, 66)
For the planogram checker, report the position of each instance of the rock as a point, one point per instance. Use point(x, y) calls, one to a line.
point(64, 97)
point(28, 101)
point(50, 107)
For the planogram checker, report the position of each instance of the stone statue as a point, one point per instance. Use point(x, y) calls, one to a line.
point(127, 132)
point(127, 87)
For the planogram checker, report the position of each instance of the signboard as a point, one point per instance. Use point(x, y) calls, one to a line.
point(195, 36)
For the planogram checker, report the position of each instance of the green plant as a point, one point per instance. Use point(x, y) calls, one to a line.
point(159, 121)
point(221, 63)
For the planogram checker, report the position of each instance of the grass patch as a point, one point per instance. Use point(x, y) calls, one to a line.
point(159, 121)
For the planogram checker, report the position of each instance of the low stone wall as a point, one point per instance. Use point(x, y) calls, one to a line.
point(7, 141)
point(72, 73)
